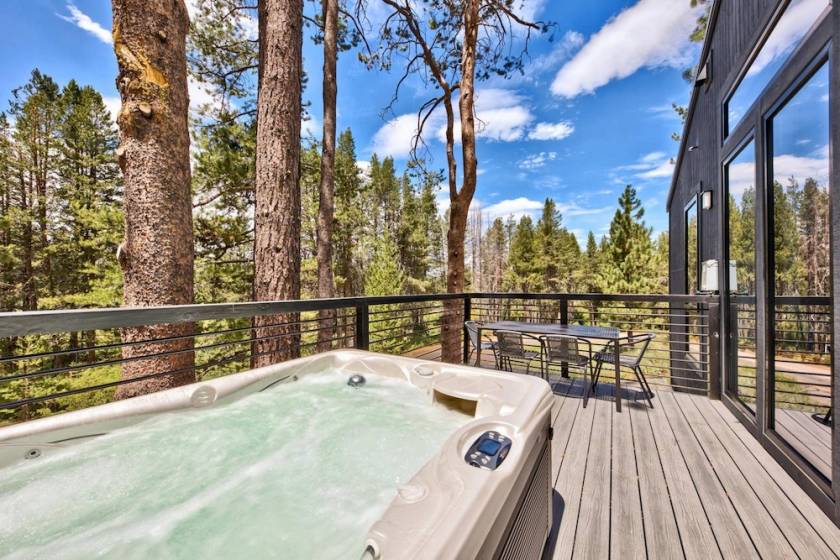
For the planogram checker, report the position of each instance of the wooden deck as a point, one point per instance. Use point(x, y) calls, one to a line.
point(681, 480)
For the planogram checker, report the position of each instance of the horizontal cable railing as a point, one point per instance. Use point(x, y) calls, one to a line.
point(678, 357)
point(57, 361)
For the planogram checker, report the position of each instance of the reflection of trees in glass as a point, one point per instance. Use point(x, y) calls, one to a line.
point(742, 239)
point(691, 250)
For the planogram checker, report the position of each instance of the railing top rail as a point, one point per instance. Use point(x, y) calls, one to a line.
point(641, 298)
point(25, 323)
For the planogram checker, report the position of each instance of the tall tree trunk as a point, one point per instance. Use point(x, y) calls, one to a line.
point(277, 209)
point(326, 205)
point(460, 201)
point(154, 154)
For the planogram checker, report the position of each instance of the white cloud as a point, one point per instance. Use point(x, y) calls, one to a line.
point(515, 207)
point(663, 169)
point(395, 138)
point(649, 34)
point(562, 51)
point(785, 166)
point(551, 131)
point(652, 156)
point(535, 161)
point(501, 115)
point(113, 104)
point(654, 165)
point(83, 21)
point(799, 16)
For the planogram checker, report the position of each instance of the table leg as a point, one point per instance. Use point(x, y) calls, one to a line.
point(617, 360)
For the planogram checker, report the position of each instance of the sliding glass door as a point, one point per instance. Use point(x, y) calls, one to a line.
point(800, 263)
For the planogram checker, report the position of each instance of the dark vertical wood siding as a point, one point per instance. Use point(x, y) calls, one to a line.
point(737, 28)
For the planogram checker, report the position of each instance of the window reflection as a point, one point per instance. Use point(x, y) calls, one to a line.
point(798, 18)
point(740, 196)
point(801, 267)
point(691, 250)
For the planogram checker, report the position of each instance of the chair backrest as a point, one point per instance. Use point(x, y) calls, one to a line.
point(509, 343)
point(472, 331)
point(561, 348)
point(638, 344)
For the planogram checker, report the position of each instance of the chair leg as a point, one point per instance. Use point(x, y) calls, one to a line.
point(640, 377)
point(597, 376)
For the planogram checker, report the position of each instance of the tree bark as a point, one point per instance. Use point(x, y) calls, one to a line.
point(326, 204)
point(157, 253)
point(460, 200)
point(277, 208)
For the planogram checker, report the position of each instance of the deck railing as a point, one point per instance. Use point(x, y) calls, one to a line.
point(55, 361)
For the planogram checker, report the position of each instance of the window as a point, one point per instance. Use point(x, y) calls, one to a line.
point(792, 26)
point(740, 192)
point(692, 251)
point(801, 266)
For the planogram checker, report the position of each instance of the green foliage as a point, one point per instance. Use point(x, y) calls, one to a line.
point(629, 256)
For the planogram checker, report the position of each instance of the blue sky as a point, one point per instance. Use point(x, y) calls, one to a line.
point(591, 114)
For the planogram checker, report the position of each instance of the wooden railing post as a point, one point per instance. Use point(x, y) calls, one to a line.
point(362, 326)
point(713, 354)
point(467, 317)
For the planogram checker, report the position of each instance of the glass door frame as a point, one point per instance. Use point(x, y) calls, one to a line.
point(814, 50)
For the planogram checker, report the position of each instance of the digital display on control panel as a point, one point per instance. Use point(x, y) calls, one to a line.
point(489, 447)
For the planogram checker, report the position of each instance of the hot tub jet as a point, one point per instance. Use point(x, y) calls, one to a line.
point(356, 380)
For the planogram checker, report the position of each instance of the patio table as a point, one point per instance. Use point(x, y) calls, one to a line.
point(609, 334)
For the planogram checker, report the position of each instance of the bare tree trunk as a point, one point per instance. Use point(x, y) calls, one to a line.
point(154, 154)
point(460, 201)
point(326, 205)
point(277, 209)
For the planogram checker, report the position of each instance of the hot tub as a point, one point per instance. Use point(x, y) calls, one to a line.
point(423, 460)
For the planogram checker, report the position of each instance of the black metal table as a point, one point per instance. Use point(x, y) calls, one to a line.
point(610, 334)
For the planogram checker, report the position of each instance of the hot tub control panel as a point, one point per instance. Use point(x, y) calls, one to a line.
point(488, 451)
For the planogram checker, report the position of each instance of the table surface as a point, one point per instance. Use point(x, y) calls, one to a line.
point(582, 331)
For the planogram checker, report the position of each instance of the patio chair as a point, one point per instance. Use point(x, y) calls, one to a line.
point(475, 343)
point(510, 347)
point(632, 351)
point(568, 350)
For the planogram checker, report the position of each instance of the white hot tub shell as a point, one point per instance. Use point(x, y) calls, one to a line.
point(449, 509)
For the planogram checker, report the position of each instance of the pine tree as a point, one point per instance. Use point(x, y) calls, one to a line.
point(629, 255)
point(349, 216)
point(523, 275)
point(157, 255)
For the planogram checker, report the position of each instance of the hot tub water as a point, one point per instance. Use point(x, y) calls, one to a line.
point(300, 470)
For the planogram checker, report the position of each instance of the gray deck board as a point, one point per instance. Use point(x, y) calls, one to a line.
point(681, 480)
point(594, 513)
point(791, 523)
point(762, 529)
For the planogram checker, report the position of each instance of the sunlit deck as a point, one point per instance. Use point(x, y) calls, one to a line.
point(683, 479)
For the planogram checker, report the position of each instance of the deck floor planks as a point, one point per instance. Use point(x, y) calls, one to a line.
point(705, 487)
point(762, 529)
point(626, 523)
point(563, 422)
point(731, 536)
point(662, 536)
point(790, 520)
point(594, 515)
point(827, 531)
point(569, 484)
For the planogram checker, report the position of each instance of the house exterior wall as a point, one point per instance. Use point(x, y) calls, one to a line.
point(736, 28)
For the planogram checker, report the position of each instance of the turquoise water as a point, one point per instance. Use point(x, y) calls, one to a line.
point(298, 471)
